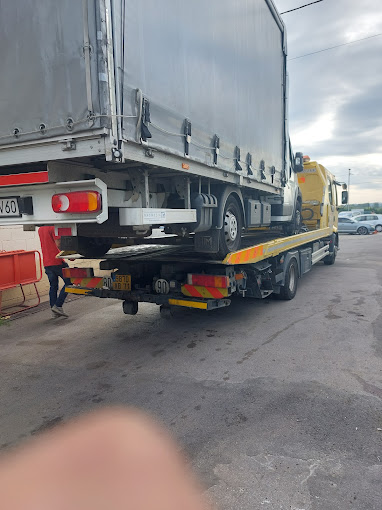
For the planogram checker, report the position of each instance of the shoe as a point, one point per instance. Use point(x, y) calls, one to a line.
point(59, 311)
point(54, 315)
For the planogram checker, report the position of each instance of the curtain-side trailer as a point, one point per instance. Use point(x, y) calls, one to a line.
point(118, 116)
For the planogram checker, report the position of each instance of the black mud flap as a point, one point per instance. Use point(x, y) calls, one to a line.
point(207, 242)
point(69, 243)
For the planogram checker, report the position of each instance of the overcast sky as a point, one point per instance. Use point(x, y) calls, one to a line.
point(336, 96)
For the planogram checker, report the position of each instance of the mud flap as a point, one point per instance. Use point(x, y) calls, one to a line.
point(207, 242)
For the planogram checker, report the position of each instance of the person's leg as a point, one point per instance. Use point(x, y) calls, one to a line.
point(53, 284)
point(63, 294)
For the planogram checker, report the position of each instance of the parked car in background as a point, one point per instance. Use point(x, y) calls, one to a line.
point(350, 226)
point(373, 219)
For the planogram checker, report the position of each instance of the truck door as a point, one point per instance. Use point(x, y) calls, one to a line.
point(332, 206)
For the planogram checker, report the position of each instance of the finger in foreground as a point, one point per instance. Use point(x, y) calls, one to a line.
point(110, 460)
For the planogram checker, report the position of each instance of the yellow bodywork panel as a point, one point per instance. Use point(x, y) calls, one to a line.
point(319, 196)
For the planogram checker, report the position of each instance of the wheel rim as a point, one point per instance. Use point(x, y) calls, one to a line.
point(378, 228)
point(292, 277)
point(230, 227)
point(362, 230)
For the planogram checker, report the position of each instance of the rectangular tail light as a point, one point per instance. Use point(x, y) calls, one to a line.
point(78, 272)
point(205, 280)
point(77, 202)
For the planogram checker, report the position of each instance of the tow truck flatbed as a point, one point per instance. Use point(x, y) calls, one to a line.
point(256, 249)
point(175, 276)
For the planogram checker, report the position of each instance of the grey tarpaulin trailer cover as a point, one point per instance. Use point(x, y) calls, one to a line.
point(146, 84)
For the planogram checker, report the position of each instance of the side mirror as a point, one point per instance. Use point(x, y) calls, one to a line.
point(345, 197)
point(344, 186)
point(298, 162)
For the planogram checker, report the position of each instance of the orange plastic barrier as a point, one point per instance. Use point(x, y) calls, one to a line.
point(18, 268)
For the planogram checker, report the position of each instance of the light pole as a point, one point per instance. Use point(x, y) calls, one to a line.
point(349, 188)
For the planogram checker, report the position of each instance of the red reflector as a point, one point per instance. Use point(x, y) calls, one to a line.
point(76, 202)
point(64, 232)
point(78, 272)
point(220, 282)
point(27, 178)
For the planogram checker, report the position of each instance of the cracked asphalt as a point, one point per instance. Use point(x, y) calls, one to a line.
point(278, 404)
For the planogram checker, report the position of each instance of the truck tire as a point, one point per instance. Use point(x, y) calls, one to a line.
point(289, 289)
point(90, 247)
point(331, 258)
point(230, 233)
point(295, 225)
point(130, 307)
point(363, 231)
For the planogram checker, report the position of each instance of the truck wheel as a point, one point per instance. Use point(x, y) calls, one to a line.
point(130, 307)
point(289, 289)
point(363, 231)
point(230, 234)
point(90, 247)
point(331, 258)
point(295, 226)
point(166, 312)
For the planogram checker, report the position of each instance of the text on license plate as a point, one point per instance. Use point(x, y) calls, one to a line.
point(122, 282)
point(9, 206)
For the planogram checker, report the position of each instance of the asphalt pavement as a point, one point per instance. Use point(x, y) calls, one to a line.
point(277, 404)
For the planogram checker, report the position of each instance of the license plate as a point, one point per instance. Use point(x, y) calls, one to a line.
point(122, 282)
point(9, 207)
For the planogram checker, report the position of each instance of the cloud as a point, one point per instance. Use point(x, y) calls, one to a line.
point(317, 132)
point(335, 105)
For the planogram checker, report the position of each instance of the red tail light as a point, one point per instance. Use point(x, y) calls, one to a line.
point(205, 280)
point(78, 272)
point(77, 202)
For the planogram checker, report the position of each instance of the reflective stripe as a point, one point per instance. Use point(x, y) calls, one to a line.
point(76, 290)
point(27, 178)
point(188, 304)
point(191, 290)
point(275, 247)
point(204, 292)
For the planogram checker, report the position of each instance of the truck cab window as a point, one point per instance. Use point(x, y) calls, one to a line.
point(330, 191)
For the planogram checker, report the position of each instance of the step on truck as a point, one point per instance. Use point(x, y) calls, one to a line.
point(121, 116)
point(271, 263)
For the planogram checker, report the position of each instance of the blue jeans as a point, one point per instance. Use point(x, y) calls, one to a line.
point(53, 273)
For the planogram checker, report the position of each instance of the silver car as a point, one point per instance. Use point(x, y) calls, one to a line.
point(372, 219)
point(350, 226)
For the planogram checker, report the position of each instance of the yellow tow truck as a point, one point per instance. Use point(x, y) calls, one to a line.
point(270, 262)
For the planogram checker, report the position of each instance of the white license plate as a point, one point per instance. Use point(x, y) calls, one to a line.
point(9, 207)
